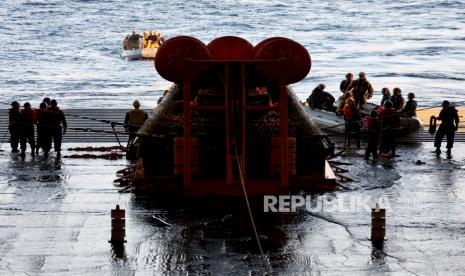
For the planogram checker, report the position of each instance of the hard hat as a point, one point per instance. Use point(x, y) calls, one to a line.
point(361, 74)
point(136, 103)
point(445, 104)
point(15, 104)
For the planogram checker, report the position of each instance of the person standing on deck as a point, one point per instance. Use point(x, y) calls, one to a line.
point(134, 120)
point(347, 85)
point(55, 120)
point(390, 120)
point(362, 90)
point(353, 119)
point(40, 126)
point(27, 119)
point(13, 125)
point(449, 125)
point(372, 128)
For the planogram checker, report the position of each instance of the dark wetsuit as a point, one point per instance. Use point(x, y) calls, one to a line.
point(448, 116)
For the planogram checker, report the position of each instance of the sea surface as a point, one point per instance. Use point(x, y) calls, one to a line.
point(70, 50)
point(55, 212)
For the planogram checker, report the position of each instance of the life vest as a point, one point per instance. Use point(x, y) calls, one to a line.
point(136, 117)
point(348, 113)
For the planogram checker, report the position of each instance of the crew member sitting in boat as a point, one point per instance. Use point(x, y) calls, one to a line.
point(386, 95)
point(390, 120)
point(321, 99)
point(145, 40)
point(134, 40)
point(397, 100)
point(410, 108)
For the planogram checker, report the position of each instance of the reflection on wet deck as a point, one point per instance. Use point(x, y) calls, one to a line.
point(55, 219)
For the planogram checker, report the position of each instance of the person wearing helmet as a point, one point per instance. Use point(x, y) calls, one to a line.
point(134, 120)
point(353, 119)
point(449, 125)
point(410, 108)
point(397, 100)
point(27, 119)
point(362, 90)
point(13, 125)
point(347, 85)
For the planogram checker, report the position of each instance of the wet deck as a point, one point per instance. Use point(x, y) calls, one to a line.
point(55, 220)
point(85, 125)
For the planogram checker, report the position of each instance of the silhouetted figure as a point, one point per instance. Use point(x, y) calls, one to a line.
point(347, 85)
point(352, 118)
point(134, 120)
point(53, 122)
point(410, 108)
point(449, 125)
point(41, 120)
point(13, 125)
point(321, 99)
point(397, 100)
point(390, 121)
point(362, 90)
point(27, 119)
point(386, 95)
point(47, 101)
point(372, 128)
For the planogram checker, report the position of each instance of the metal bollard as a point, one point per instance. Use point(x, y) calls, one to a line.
point(378, 224)
point(118, 225)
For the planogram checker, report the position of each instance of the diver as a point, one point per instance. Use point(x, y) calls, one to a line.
point(14, 126)
point(410, 108)
point(397, 99)
point(134, 120)
point(449, 125)
point(362, 90)
point(321, 99)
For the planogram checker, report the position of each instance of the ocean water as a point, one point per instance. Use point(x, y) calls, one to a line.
point(54, 213)
point(70, 50)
